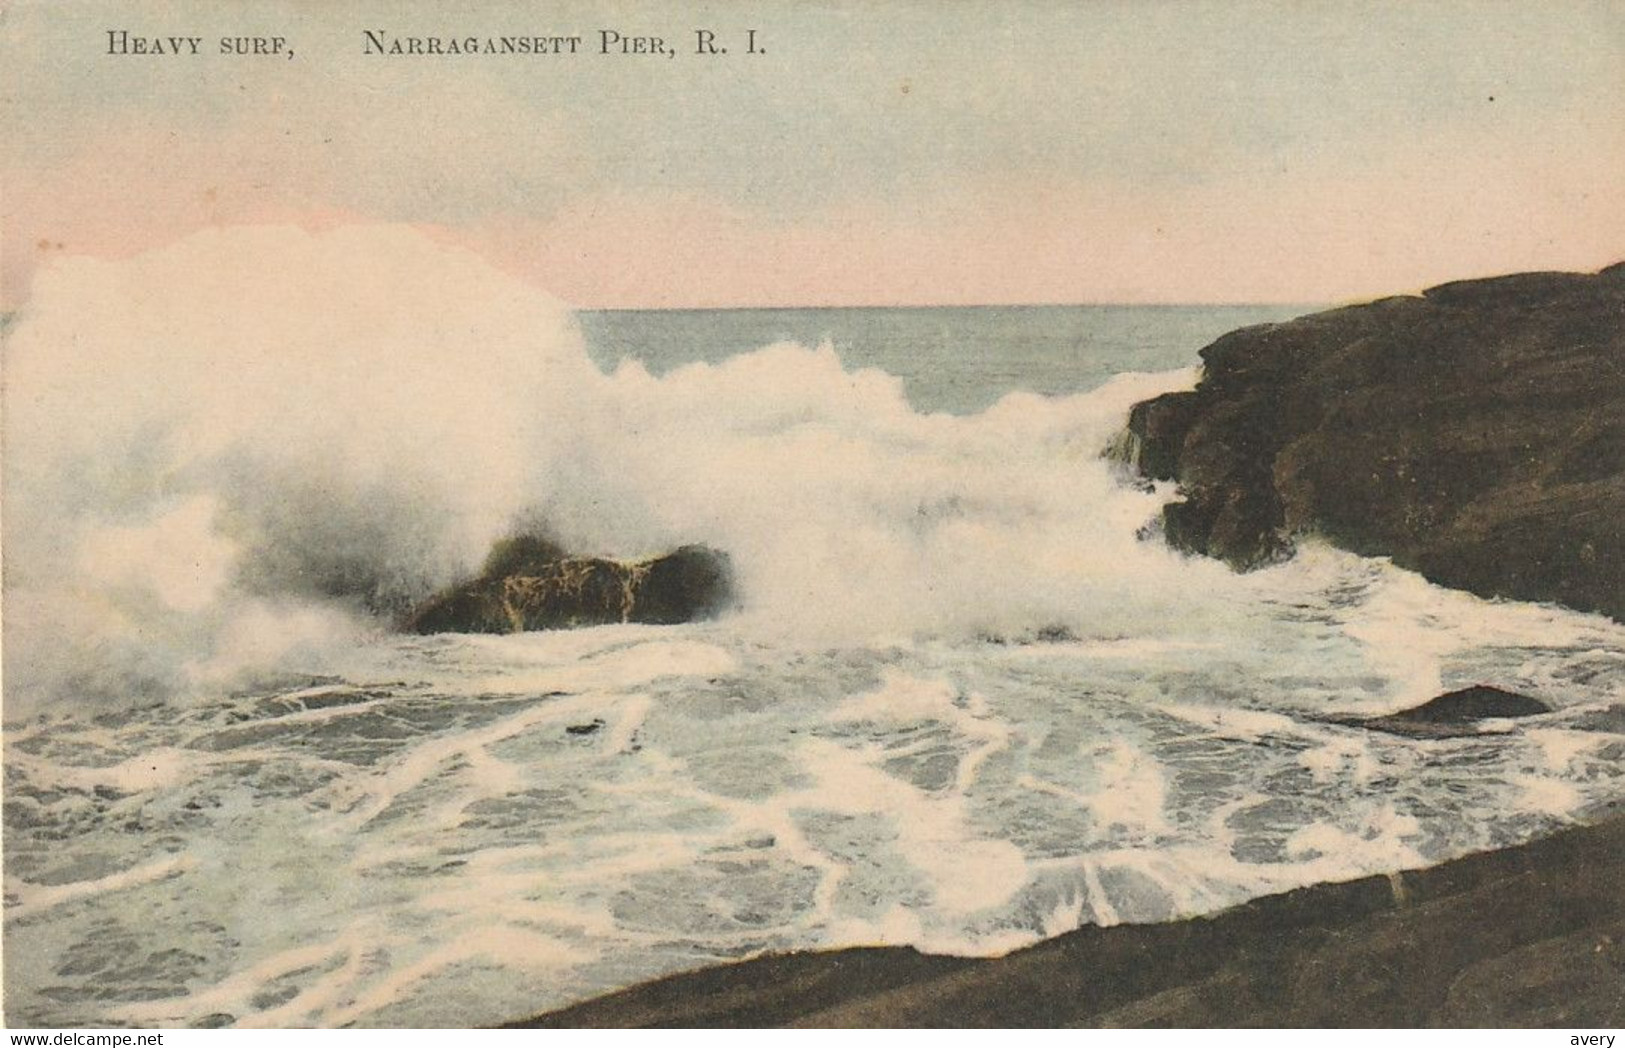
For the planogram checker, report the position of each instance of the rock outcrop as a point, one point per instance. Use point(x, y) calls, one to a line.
point(529, 583)
point(1455, 713)
point(1474, 433)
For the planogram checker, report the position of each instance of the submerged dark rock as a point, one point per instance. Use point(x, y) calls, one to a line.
point(1471, 704)
point(530, 583)
point(1474, 433)
point(1455, 713)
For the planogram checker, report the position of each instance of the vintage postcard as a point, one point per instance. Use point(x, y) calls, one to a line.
point(895, 513)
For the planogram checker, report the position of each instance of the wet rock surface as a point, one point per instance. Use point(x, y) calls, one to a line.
point(530, 583)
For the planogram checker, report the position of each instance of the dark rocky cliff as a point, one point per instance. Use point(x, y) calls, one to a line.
point(1474, 433)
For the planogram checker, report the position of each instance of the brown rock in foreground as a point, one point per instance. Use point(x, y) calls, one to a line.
point(529, 583)
point(1527, 936)
point(1474, 433)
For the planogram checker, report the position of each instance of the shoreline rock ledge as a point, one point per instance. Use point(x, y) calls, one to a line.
point(529, 583)
point(1528, 936)
point(1474, 433)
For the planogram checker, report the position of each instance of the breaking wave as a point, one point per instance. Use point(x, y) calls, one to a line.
point(227, 456)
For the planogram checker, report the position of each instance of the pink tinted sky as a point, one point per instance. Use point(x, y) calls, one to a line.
point(882, 153)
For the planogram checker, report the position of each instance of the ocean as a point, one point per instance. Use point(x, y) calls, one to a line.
point(968, 698)
point(959, 360)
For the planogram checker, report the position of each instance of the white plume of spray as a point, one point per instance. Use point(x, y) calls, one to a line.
point(852, 518)
point(229, 429)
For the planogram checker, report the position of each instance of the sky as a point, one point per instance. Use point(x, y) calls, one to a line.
point(884, 152)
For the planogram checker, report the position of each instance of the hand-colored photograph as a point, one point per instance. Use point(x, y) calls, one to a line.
point(837, 514)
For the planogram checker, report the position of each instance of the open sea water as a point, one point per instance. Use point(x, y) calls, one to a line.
point(964, 703)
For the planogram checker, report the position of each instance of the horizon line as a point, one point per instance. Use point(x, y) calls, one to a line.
point(1255, 304)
